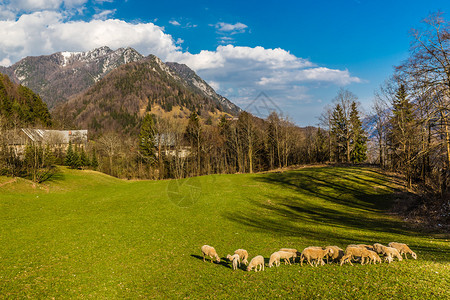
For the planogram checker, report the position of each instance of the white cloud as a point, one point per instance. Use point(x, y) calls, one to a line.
point(47, 32)
point(5, 62)
point(174, 23)
point(215, 85)
point(237, 72)
point(28, 6)
point(231, 28)
point(240, 73)
point(103, 15)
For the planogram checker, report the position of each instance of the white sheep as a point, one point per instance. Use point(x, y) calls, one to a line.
point(388, 259)
point(211, 252)
point(378, 248)
point(403, 249)
point(368, 247)
point(354, 251)
point(243, 255)
point(235, 260)
point(336, 254)
point(374, 257)
point(315, 253)
point(255, 262)
point(387, 251)
point(274, 259)
point(392, 252)
point(291, 250)
point(287, 255)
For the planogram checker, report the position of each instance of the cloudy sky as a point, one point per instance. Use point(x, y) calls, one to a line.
point(294, 54)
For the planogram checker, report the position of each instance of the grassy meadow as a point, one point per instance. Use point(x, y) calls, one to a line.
point(87, 235)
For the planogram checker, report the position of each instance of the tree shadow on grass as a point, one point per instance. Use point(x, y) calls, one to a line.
point(335, 205)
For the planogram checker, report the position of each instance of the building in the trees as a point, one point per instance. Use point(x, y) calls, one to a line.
point(53, 138)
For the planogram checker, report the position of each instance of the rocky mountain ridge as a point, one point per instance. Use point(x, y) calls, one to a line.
point(63, 75)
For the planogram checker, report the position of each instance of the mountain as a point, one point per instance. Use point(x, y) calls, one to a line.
point(199, 85)
point(119, 100)
point(20, 106)
point(59, 76)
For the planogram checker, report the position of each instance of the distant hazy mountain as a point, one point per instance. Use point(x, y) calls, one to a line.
point(120, 99)
point(59, 76)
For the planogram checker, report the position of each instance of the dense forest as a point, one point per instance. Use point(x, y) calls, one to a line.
point(19, 106)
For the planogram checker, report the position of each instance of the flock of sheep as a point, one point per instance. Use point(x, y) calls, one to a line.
point(316, 255)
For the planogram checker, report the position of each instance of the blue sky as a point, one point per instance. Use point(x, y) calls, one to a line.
point(299, 53)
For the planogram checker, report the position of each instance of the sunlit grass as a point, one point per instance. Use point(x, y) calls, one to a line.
point(85, 234)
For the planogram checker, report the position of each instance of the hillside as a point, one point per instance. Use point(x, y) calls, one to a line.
point(119, 100)
point(88, 235)
point(59, 76)
point(20, 106)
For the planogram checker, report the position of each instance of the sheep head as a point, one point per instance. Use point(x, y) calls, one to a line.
point(414, 255)
point(329, 252)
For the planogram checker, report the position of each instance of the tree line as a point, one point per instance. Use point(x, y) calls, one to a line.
point(411, 110)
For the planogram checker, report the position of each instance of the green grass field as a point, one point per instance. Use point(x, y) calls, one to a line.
point(88, 235)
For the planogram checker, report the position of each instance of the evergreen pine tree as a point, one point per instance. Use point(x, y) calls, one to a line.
point(147, 138)
point(69, 155)
point(339, 127)
point(401, 136)
point(76, 163)
point(84, 159)
point(94, 161)
point(358, 143)
point(49, 158)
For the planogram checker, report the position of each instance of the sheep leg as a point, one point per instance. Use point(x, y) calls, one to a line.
point(309, 261)
point(349, 258)
point(203, 257)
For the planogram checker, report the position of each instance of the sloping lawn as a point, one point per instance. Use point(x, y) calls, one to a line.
point(88, 235)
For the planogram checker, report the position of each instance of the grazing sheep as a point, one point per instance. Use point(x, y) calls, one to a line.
point(243, 255)
point(336, 254)
point(403, 249)
point(388, 259)
point(352, 251)
point(255, 262)
point(392, 252)
point(274, 259)
point(291, 250)
point(315, 253)
point(378, 248)
point(211, 252)
point(374, 257)
point(235, 260)
point(286, 256)
point(368, 247)
point(387, 251)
